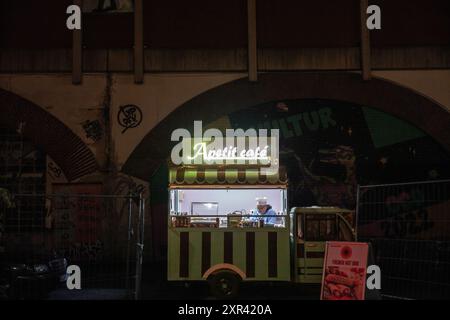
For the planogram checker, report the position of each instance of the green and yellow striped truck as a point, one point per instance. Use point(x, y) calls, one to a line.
point(228, 249)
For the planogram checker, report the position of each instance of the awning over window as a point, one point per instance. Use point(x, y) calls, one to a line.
point(179, 176)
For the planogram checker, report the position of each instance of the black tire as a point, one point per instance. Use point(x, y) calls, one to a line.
point(224, 285)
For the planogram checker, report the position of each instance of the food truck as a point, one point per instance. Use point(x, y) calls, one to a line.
point(214, 235)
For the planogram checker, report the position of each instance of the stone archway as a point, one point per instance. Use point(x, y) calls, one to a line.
point(380, 94)
point(48, 133)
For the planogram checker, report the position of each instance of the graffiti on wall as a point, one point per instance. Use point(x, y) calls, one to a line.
point(417, 211)
point(54, 172)
point(129, 117)
point(124, 186)
point(93, 130)
point(78, 217)
point(83, 251)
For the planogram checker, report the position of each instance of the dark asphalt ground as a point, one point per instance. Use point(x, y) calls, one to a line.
point(195, 291)
point(154, 287)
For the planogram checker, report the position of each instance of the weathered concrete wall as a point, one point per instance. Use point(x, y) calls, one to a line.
point(434, 84)
point(156, 98)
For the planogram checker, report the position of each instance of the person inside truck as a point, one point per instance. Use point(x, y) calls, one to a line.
point(264, 212)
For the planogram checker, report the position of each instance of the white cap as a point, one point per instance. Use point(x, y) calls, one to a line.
point(261, 201)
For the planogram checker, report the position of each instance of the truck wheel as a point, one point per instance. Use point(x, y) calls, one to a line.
point(224, 284)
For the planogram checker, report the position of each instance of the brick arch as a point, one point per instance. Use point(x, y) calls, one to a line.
point(380, 94)
point(49, 134)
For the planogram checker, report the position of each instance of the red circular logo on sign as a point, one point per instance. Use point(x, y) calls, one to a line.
point(346, 252)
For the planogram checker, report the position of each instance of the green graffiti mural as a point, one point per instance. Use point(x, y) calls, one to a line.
point(328, 147)
point(297, 124)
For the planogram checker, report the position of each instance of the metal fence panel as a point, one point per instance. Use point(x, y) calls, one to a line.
point(409, 227)
point(101, 234)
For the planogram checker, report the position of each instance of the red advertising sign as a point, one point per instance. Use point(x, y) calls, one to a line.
point(344, 271)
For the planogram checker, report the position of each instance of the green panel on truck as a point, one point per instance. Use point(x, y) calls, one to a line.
point(262, 254)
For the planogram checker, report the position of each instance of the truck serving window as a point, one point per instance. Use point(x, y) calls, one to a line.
point(213, 207)
point(320, 227)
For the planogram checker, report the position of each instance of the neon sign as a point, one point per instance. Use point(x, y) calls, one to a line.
point(237, 147)
point(230, 153)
